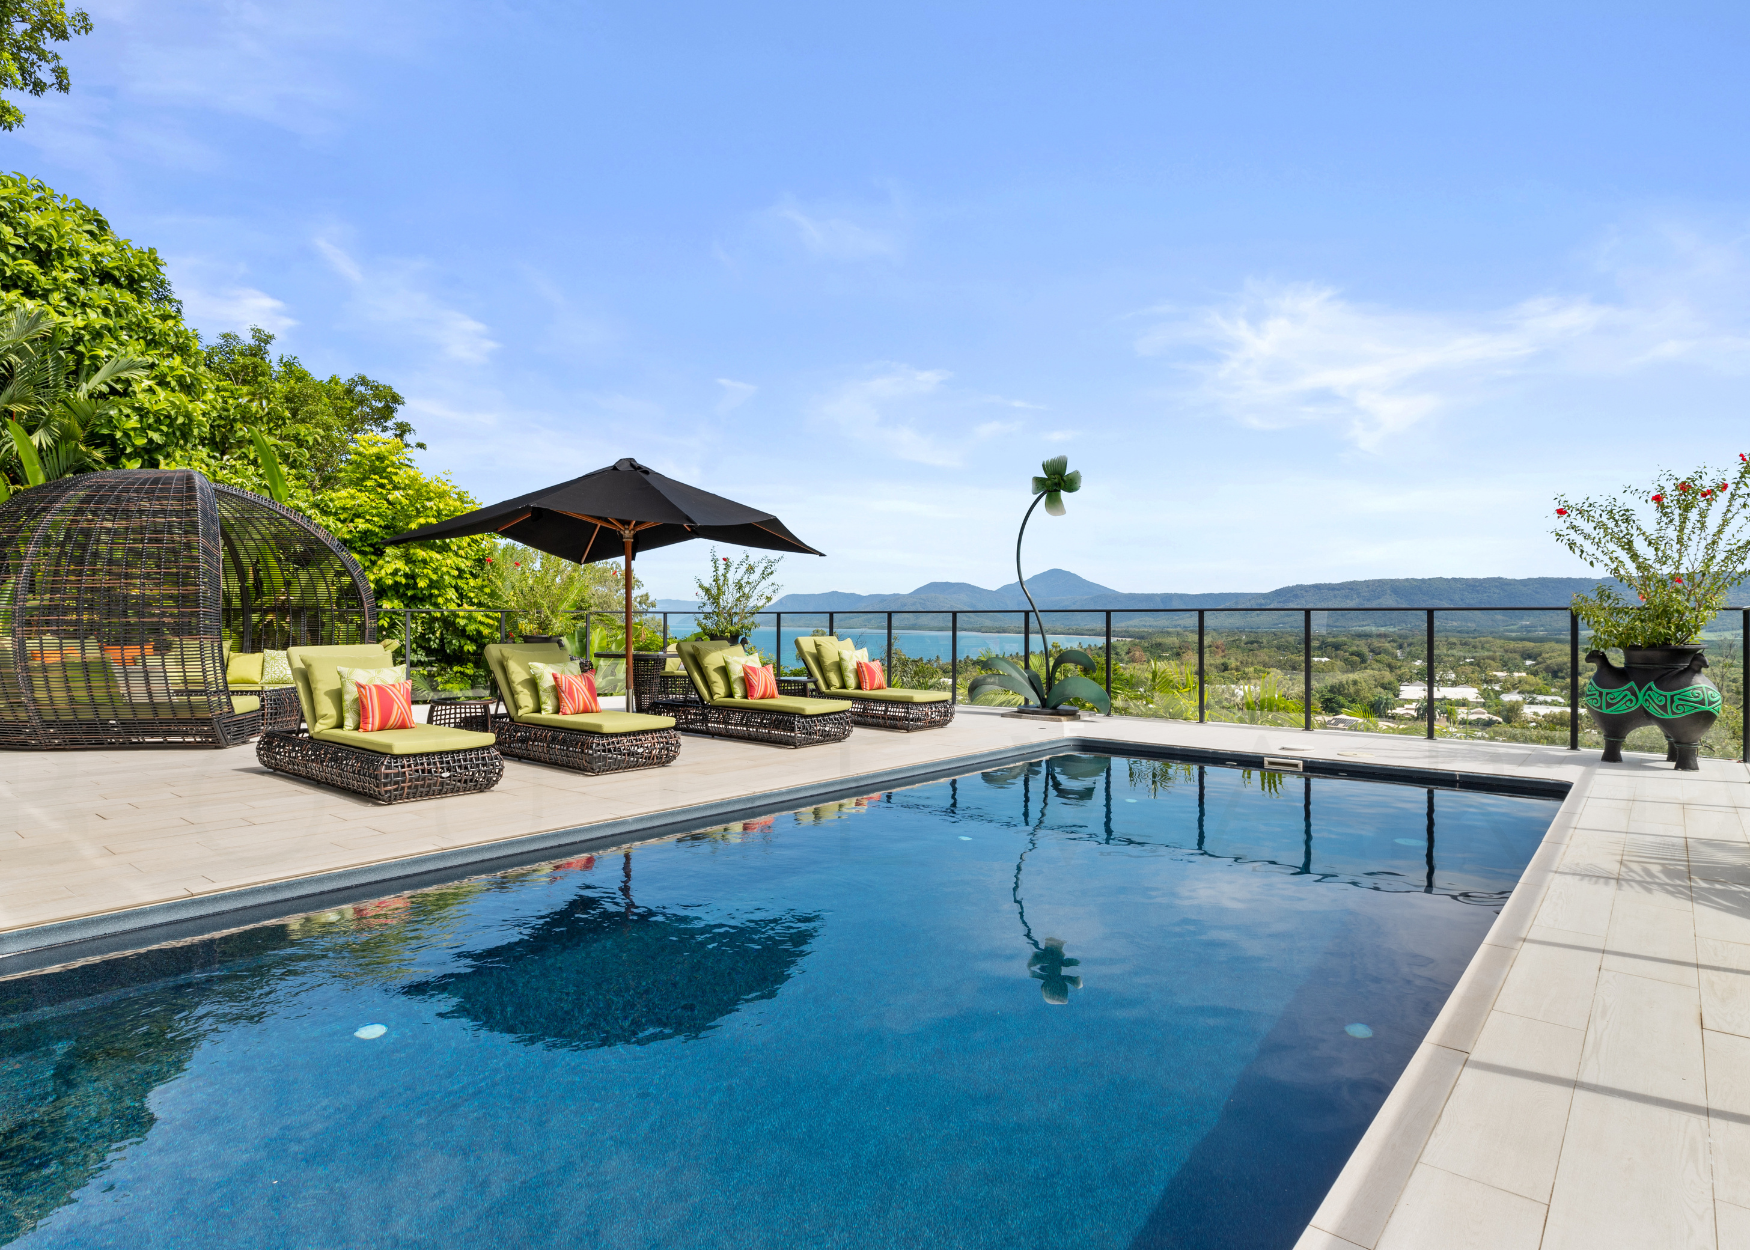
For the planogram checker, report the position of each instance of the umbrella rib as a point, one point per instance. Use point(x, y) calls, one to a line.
point(803, 547)
point(522, 516)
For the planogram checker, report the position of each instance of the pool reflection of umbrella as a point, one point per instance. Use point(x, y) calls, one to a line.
point(614, 513)
point(604, 971)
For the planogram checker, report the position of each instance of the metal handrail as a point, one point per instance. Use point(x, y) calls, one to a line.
point(1026, 614)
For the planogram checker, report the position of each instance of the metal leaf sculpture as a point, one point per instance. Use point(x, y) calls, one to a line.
point(1058, 481)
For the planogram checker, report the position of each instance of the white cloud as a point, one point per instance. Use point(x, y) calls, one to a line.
point(392, 294)
point(735, 394)
point(1282, 355)
point(836, 232)
point(235, 309)
point(912, 414)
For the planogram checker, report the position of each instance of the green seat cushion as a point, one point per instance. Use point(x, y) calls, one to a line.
point(600, 722)
point(420, 740)
point(245, 703)
point(899, 696)
point(244, 669)
point(787, 703)
point(509, 662)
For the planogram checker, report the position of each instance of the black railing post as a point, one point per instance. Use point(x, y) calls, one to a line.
point(887, 666)
point(830, 628)
point(953, 657)
point(1428, 673)
point(778, 645)
point(1573, 681)
point(1202, 710)
point(407, 643)
point(665, 631)
point(503, 628)
point(589, 637)
point(1108, 657)
point(1306, 663)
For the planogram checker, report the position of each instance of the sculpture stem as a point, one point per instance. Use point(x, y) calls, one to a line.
point(1044, 642)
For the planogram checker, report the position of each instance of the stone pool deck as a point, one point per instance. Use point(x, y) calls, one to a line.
point(1587, 1085)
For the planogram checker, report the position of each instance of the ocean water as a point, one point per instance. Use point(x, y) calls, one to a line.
point(1083, 1002)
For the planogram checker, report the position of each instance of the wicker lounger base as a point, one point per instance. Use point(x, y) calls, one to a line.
point(215, 731)
point(880, 714)
point(586, 752)
point(782, 728)
point(385, 778)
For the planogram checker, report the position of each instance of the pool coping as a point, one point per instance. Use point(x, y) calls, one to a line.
point(82, 938)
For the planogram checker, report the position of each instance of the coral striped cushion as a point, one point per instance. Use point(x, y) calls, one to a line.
point(385, 705)
point(762, 683)
point(576, 693)
point(870, 676)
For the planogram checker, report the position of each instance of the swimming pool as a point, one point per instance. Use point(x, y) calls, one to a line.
point(1086, 1001)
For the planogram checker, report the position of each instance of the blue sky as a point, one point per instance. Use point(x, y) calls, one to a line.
point(1308, 292)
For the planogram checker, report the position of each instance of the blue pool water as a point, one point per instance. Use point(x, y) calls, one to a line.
point(1087, 1002)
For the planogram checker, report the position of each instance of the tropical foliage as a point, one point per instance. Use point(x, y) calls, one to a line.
point(1051, 691)
point(48, 405)
point(27, 62)
point(734, 592)
point(1681, 546)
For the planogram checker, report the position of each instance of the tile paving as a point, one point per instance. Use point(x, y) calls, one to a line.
point(1587, 1084)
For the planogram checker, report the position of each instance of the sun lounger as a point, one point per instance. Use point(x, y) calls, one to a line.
point(595, 742)
point(304, 736)
point(701, 701)
point(873, 709)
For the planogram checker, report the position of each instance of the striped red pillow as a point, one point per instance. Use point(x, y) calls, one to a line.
point(870, 676)
point(385, 705)
point(576, 693)
point(761, 682)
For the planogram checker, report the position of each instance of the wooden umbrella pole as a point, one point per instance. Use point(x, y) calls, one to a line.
point(631, 699)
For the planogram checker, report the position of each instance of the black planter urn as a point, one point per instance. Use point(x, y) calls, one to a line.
point(1658, 686)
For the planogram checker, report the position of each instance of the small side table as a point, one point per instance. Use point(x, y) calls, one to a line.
point(474, 714)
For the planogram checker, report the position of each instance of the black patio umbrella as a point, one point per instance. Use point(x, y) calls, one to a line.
point(615, 513)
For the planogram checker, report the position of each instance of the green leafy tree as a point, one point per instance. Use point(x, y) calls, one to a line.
point(110, 298)
point(27, 28)
point(311, 421)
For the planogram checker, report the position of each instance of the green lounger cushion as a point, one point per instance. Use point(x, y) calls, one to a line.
point(509, 662)
point(245, 703)
point(695, 654)
point(420, 740)
point(244, 669)
point(315, 671)
point(601, 722)
point(899, 696)
point(813, 659)
point(787, 703)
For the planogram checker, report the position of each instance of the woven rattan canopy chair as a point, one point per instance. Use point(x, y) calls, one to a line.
point(872, 709)
point(122, 592)
point(699, 700)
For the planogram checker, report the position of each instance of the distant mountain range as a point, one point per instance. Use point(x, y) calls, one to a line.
point(1061, 589)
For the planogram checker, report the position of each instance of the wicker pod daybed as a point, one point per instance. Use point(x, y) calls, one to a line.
point(305, 737)
point(123, 595)
point(596, 742)
point(873, 709)
point(700, 702)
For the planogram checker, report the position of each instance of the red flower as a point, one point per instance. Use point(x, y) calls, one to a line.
point(1678, 580)
point(1743, 457)
point(1683, 486)
point(1561, 512)
point(489, 559)
point(1658, 499)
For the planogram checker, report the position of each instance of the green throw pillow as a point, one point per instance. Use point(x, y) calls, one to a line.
point(276, 670)
point(244, 669)
point(716, 666)
point(734, 664)
point(545, 686)
point(350, 681)
point(849, 655)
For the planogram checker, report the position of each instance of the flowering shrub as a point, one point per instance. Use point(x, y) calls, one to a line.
point(1681, 547)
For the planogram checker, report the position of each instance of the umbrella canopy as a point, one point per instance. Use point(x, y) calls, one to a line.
point(615, 513)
